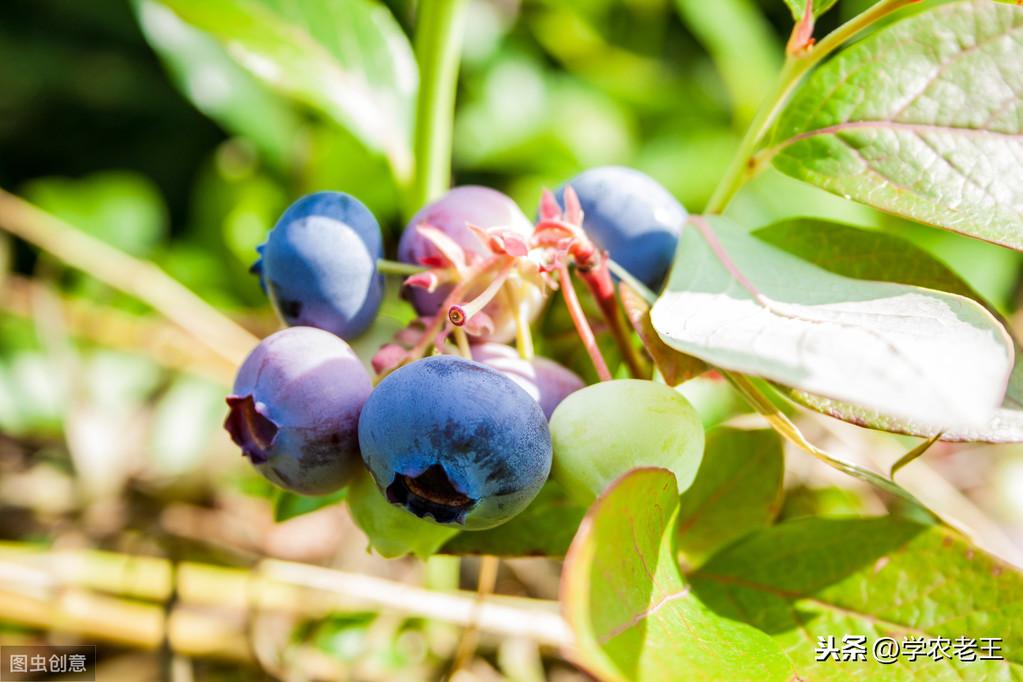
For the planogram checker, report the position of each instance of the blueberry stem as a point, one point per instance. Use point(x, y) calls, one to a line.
point(393, 267)
point(523, 335)
point(621, 273)
point(462, 339)
point(582, 326)
point(749, 389)
point(598, 280)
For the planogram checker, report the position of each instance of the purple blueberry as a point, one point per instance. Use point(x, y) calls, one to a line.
point(319, 264)
point(295, 409)
point(632, 217)
point(456, 442)
point(545, 380)
point(451, 214)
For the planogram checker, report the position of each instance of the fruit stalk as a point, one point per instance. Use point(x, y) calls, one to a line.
point(462, 341)
point(626, 277)
point(393, 267)
point(582, 326)
point(601, 286)
point(523, 336)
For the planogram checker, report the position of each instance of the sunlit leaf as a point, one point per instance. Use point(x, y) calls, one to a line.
point(633, 615)
point(817, 578)
point(864, 254)
point(939, 358)
point(349, 60)
point(217, 85)
point(922, 119)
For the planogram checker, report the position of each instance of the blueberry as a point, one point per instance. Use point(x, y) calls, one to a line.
point(451, 214)
point(456, 442)
point(319, 264)
point(632, 217)
point(545, 380)
point(295, 410)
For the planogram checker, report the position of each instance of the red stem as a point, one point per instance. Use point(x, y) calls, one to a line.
point(582, 327)
point(601, 286)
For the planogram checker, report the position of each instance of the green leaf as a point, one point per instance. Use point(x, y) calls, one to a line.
point(738, 489)
point(865, 254)
point(1004, 426)
point(922, 119)
point(831, 501)
point(122, 208)
point(633, 615)
point(289, 505)
point(391, 531)
point(217, 85)
point(545, 528)
point(349, 60)
point(798, 7)
point(815, 578)
point(926, 355)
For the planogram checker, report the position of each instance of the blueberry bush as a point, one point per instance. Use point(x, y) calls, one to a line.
point(709, 310)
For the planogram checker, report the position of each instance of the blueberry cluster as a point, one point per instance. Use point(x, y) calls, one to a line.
point(454, 428)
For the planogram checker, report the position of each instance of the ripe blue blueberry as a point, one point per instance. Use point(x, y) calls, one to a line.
point(545, 380)
point(632, 217)
point(451, 214)
point(456, 442)
point(295, 409)
point(319, 264)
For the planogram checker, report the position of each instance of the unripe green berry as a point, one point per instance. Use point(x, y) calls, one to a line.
point(604, 430)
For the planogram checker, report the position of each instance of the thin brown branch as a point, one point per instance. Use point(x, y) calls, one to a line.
point(31, 580)
point(143, 280)
point(166, 344)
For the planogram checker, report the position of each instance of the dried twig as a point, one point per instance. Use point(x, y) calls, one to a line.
point(137, 278)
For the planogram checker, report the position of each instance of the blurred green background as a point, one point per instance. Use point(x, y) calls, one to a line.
point(140, 130)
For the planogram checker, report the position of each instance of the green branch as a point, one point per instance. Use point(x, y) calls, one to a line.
point(796, 66)
point(438, 43)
